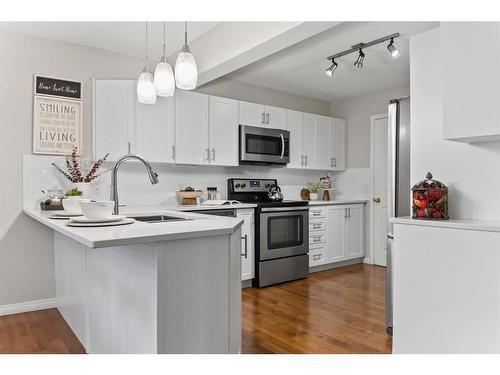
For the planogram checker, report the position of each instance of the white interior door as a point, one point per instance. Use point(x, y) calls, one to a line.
point(379, 201)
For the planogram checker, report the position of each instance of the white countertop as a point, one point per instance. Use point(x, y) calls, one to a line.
point(141, 232)
point(480, 225)
point(337, 201)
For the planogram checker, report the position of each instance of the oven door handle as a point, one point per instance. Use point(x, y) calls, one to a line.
point(278, 209)
point(282, 145)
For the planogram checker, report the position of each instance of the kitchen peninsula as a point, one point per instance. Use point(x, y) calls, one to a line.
point(169, 287)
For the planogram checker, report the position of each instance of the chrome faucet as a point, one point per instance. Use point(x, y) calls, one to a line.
point(153, 176)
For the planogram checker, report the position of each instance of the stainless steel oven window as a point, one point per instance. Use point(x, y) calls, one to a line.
point(285, 231)
point(276, 239)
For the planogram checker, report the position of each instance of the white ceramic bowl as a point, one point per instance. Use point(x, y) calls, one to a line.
point(98, 210)
point(72, 205)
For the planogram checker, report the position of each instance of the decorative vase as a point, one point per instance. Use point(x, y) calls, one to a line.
point(313, 196)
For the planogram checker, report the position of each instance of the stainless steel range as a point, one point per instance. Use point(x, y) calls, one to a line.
point(281, 231)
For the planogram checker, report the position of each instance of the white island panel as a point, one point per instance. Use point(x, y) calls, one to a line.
point(446, 289)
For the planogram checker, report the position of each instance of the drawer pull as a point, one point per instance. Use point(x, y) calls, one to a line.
point(316, 213)
point(317, 226)
point(317, 238)
point(316, 256)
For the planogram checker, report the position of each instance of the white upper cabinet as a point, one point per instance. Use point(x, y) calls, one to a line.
point(155, 130)
point(191, 128)
point(113, 117)
point(295, 122)
point(323, 129)
point(275, 117)
point(337, 144)
point(470, 82)
point(262, 115)
point(223, 131)
point(309, 141)
point(252, 114)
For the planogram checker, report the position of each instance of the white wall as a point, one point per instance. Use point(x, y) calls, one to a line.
point(471, 171)
point(259, 94)
point(26, 247)
point(357, 112)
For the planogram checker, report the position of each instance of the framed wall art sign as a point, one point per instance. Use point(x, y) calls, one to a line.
point(57, 116)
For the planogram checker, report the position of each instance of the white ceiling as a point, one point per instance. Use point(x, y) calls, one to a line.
point(300, 69)
point(122, 37)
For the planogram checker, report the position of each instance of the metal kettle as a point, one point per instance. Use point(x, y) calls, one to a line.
point(274, 193)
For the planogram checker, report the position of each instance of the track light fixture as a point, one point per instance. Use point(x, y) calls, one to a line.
point(361, 55)
point(393, 50)
point(331, 69)
point(359, 61)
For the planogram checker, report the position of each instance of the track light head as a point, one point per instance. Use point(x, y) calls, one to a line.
point(359, 61)
point(393, 50)
point(331, 69)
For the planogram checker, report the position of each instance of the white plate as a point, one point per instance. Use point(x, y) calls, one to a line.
point(83, 219)
point(108, 224)
point(65, 214)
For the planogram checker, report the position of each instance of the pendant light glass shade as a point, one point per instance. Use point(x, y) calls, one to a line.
point(146, 92)
point(186, 71)
point(164, 75)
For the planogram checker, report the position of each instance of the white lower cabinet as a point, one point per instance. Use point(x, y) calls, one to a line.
point(247, 243)
point(336, 233)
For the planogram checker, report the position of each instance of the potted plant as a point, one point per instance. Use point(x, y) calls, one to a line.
point(314, 188)
point(81, 173)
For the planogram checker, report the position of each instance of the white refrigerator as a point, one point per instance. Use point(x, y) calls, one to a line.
point(398, 189)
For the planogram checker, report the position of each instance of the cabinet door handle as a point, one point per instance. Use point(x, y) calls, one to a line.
point(305, 156)
point(173, 152)
point(331, 162)
point(345, 213)
point(302, 160)
point(348, 213)
point(208, 154)
point(213, 154)
point(263, 118)
point(267, 118)
point(334, 162)
point(129, 147)
point(245, 238)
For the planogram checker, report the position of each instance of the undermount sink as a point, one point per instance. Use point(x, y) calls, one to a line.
point(158, 218)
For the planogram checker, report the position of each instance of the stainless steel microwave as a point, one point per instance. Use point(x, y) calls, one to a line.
point(264, 145)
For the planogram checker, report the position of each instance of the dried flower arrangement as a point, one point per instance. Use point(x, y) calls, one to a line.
point(75, 172)
point(314, 187)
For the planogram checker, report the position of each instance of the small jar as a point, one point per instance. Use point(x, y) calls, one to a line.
point(429, 199)
point(211, 193)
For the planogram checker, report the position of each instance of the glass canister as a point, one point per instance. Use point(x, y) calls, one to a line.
point(429, 199)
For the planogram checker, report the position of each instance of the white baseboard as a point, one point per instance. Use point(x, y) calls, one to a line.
point(16, 308)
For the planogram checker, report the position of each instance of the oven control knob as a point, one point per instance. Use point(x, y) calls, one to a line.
point(243, 186)
point(237, 186)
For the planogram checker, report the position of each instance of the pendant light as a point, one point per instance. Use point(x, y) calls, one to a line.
point(186, 72)
point(146, 92)
point(164, 76)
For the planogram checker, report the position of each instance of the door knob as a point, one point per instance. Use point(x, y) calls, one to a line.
point(376, 200)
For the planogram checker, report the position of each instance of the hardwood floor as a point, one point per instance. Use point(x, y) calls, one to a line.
point(43, 331)
point(334, 311)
